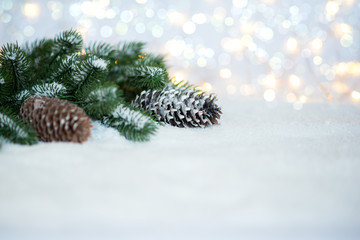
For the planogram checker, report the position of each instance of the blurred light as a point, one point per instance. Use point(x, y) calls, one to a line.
point(347, 68)
point(178, 77)
point(219, 13)
point(140, 28)
point(206, 86)
point(240, 3)
point(292, 45)
point(121, 28)
point(157, 31)
point(126, 16)
point(6, 5)
point(340, 87)
point(331, 8)
point(106, 31)
point(269, 95)
point(31, 10)
point(175, 47)
point(225, 73)
point(176, 18)
point(303, 99)
point(295, 81)
point(201, 62)
point(316, 44)
point(269, 81)
point(232, 44)
point(189, 28)
point(247, 28)
point(346, 40)
point(342, 29)
point(266, 34)
point(317, 60)
point(355, 95)
point(199, 18)
point(141, 1)
point(75, 9)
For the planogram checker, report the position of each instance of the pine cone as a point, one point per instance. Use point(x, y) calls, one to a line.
point(180, 107)
point(56, 120)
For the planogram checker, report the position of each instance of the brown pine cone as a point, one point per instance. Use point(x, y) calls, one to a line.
point(56, 120)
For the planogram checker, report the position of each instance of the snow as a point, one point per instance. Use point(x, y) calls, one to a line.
point(99, 63)
point(267, 172)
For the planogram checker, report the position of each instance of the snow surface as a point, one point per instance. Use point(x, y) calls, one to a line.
point(267, 172)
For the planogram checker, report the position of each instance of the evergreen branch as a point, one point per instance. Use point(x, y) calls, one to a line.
point(14, 69)
point(100, 100)
point(153, 60)
point(14, 129)
point(52, 89)
point(92, 70)
point(131, 123)
point(100, 49)
point(65, 70)
point(65, 43)
point(40, 54)
point(126, 53)
point(146, 77)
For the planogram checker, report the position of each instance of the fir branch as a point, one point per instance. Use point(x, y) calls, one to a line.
point(14, 69)
point(100, 49)
point(146, 77)
point(131, 123)
point(51, 89)
point(150, 59)
point(100, 100)
point(14, 129)
point(65, 69)
point(92, 70)
point(65, 43)
point(126, 53)
point(40, 53)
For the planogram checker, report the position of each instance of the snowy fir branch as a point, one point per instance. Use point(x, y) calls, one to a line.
point(14, 70)
point(14, 129)
point(65, 43)
point(92, 70)
point(66, 67)
point(131, 123)
point(101, 100)
point(146, 77)
point(53, 89)
point(100, 49)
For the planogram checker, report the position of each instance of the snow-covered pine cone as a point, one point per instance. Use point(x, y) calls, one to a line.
point(56, 120)
point(180, 107)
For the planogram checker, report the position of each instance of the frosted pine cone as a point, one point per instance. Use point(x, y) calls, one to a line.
point(180, 107)
point(56, 120)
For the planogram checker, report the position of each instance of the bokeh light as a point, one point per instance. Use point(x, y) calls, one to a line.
point(295, 51)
